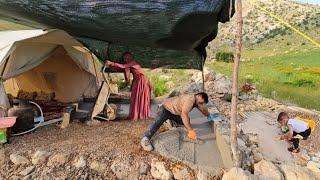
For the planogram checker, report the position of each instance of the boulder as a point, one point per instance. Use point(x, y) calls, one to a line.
point(144, 168)
point(57, 160)
point(222, 84)
point(80, 162)
point(189, 88)
point(159, 170)
point(268, 170)
point(27, 171)
point(209, 75)
point(40, 157)
point(315, 159)
point(181, 173)
point(98, 166)
point(296, 172)
point(257, 156)
point(18, 159)
point(124, 169)
point(314, 167)
point(238, 173)
point(202, 175)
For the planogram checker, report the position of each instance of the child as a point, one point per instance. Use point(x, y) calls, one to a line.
point(297, 130)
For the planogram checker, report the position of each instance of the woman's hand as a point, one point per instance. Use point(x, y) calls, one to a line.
point(108, 62)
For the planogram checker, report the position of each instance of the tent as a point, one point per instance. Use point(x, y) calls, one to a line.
point(47, 61)
point(159, 33)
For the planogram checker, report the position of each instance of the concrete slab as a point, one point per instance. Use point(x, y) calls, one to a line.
point(264, 124)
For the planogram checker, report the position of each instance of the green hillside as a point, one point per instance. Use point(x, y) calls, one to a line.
point(6, 25)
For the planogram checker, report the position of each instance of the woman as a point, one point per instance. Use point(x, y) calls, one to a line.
point(140, 88)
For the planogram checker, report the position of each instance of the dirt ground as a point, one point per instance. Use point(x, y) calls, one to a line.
point(104, 143)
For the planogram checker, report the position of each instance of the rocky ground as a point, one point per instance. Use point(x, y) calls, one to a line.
point(107, 150)
point(111, 150)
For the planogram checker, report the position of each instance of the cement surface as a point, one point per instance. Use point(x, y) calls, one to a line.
point(265, 125)
point(203, 154)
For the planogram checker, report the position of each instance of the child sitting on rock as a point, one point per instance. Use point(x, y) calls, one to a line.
point(297, 130)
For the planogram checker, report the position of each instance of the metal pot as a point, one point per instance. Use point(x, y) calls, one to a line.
point(25, 116)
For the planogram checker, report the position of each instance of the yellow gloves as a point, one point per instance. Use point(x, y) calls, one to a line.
point(192, 134)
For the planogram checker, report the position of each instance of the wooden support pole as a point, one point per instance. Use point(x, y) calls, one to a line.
point(234, 101)
point(203, 80)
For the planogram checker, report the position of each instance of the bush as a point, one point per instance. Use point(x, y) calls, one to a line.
point(225, 57)
point(122, 85)
point(159, 87)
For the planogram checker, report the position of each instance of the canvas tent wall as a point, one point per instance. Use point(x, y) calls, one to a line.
point(49, 61)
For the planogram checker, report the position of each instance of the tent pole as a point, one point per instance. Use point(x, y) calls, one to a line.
point(234, 101)
point(202, 64)
point(4, 67)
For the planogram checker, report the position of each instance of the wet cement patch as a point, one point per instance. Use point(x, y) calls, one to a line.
point(203, 154)
point(264, 124)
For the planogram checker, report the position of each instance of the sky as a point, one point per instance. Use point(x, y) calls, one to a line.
point(310, 1)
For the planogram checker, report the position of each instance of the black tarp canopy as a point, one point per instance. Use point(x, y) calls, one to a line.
point(171, 33)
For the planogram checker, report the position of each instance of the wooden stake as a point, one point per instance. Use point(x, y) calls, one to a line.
point(234, 132)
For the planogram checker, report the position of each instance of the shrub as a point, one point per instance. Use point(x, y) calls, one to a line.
point(159, 87)
point(225, 57)
point(122, 85)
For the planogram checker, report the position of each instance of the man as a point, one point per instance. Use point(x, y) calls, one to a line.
point(176, 109)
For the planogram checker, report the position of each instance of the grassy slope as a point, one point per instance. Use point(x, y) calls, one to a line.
point(290, 77)
point(6, 25)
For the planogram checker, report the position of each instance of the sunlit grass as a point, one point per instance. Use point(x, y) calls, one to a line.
point(290, 78)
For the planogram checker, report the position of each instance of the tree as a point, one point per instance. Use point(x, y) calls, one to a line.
point(234, 101)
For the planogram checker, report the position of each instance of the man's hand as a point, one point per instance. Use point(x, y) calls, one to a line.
point(192, 134)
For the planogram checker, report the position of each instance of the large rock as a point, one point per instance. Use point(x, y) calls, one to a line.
point(144, 168)
point(124, 169)
point(268, 170)
point(80, 162)
point(27, 171)
point(57, 160)
point(159, 170)
point(202, 175)
point(209, 75)
point(181, 173)
point(293, 172)
point(18, 159)
point(238, 174)
point(40, 157)
point(222, 84)
point(98, 166)
point(314, 167)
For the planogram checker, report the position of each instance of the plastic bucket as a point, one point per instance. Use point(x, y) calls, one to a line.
point(7, 122)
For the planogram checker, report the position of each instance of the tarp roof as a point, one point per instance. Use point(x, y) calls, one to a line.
point(158, 32)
